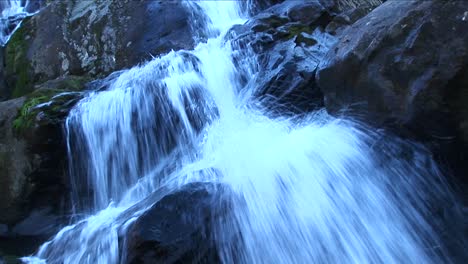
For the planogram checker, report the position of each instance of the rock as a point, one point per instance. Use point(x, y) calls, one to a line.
point(3, 230)
point(290, 39)
point(14, 164)
point(178, 228)
point(92, 38)
point(39, 223)
point(34, 187)
point(405, 65)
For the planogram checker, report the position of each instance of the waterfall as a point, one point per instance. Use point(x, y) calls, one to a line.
point(12, 13)
point(309, 189)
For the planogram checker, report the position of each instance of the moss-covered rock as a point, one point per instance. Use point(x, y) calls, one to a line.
point(34, 186)
point(18, 68)
point(92, 38)
point(52, 99)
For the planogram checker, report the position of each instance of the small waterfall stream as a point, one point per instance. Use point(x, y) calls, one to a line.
point(314, 189)
point(12, 13)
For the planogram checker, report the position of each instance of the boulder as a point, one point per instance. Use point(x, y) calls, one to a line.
point(14, 164)
point(92, 38)
point(290, 39)
point(34, 188)
point(405, 65)
point(178, 228)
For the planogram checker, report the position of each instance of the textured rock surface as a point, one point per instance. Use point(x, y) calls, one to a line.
point(92, 38)
point(406, 64)
point(34, 186)
point(14, 164)
point(178, 228)
point(290, 39)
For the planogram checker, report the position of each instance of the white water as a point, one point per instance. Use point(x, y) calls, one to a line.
point(12, 12)
point(310, 190)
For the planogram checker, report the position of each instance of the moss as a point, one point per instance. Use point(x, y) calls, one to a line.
point(26, 115)
point(48, 93)
point(295, 30)
point(274, 21)
point(17, 65)
point(8, 259)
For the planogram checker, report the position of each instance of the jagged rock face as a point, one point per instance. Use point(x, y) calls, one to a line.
point(290, 39)
point(406, 64)
point(92, 38)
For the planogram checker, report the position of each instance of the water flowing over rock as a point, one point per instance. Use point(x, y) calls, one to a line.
point(194, 132)
point(405, 64)
point(148, 149)
point(290, 39)
point(12, 13)
point(179, 228)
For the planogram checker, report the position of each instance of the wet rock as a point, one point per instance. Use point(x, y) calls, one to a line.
point(405, 65)
point(290, 39)
point(39, 223)
point(179, 227)
point(34, 187)
point(92, 38)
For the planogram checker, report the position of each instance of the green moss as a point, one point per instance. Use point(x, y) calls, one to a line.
point(52, 94)
point(26, 115)
point(295, 30)
point(9, 259)
point(17, 65)
point(274, 21)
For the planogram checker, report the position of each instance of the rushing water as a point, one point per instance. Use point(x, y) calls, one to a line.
point(315, 189)
point(12, 13)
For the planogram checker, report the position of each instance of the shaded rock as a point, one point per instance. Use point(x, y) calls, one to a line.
point(14, 164)
point(3, 230)
point(290, 39)
point(178, 228)
point(406, 65)
point(92, 38)
point(34, 188)
point(38, 223)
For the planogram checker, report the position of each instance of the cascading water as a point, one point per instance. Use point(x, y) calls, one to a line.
point(12, 13)
point(313, 189)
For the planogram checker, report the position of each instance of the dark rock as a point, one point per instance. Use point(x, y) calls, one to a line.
point(178, 228)
point(4, 91)
point(290, 40)
point(38, 223)
point(34, 189)
point(405, 65)
point(92, 38)
point(14, 164)
point(3, 230)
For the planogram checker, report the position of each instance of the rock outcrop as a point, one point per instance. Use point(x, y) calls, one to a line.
point(34, 188)
point(92, 38)
point(290, 39)
point(405, 66)
point(179, 227)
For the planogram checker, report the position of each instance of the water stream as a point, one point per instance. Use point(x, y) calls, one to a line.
point(12, 13)
point(314, 189)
